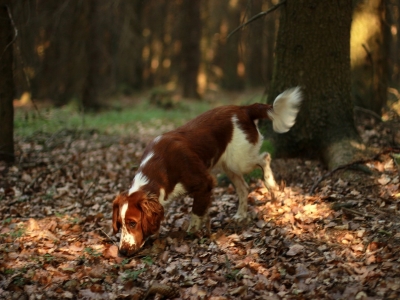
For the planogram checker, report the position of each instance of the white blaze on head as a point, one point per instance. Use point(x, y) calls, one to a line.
point(126, 237)
point(139, 181)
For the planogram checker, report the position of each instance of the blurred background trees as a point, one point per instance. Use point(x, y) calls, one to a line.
point(86, 51)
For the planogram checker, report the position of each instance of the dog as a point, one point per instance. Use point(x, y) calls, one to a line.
point(179, 162)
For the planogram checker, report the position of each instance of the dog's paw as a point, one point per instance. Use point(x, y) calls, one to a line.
point(241, 217)
point(195, 223)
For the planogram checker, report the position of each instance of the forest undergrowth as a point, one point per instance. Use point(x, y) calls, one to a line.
point(340, 242)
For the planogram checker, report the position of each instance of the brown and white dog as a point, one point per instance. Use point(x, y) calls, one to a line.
point(179, 162)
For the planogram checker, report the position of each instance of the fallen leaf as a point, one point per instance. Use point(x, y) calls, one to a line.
point(295, 249)
point(111, 252)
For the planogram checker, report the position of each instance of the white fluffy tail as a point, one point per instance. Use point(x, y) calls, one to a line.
point(285, 109)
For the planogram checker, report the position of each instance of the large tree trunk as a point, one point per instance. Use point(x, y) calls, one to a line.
point(130, 46)
point(313, 51)
point(6, 84)
point(271, 25)
point(190, 54)
point(370, 34)
point(90, 94)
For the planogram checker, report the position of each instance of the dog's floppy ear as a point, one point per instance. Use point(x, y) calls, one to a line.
point(116, 222)
point(153, 214)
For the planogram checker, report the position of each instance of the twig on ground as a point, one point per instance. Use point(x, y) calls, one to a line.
point(102, 231)
point(356, 212)
point(88, 190)
point(369, 112)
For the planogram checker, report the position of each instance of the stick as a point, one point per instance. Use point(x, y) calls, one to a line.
point(257, 16)
point(367, 111)
point(355, 212)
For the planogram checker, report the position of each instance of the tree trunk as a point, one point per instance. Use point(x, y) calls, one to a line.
point(6, 84)
point(396, 69)
point(228, 55)
point(130, 46)
point(370, 49)
point(90, 95)
point(254, 47)
point(313, 51)
point(190, 53)
point(271, 25)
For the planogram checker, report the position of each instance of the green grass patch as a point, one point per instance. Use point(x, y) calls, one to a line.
point(111, 121)
point(267, 147)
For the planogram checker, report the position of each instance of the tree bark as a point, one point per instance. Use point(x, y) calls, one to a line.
point(190, 53)
point(130, 46)
point(228, 51)
point(90, 94)
point(370, 49)
point(271, 25)
point(6, 83)
point(313, 51)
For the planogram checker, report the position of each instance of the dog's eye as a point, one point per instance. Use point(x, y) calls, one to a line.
point(132, 224)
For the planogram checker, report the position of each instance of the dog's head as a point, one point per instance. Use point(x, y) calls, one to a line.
point(138, 216)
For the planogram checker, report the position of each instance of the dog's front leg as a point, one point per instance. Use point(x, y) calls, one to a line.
point(201, 202)
point(242, 190)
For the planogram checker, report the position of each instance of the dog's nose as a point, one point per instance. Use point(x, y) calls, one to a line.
point(122, 252)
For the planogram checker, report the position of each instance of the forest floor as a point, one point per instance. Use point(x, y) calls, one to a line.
point(340, 242)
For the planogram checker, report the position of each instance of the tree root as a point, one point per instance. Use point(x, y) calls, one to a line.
point(352, 165)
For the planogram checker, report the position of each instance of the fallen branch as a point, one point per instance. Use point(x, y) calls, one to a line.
point(369, 112)
point(352, 164)
point(257, 16)
point(356, 212)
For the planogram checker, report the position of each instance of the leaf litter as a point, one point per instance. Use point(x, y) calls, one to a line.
point(342, 241)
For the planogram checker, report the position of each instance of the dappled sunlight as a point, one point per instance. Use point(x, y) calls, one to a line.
point(364, 27)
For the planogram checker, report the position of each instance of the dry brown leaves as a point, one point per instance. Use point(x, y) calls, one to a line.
point(342, 242)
